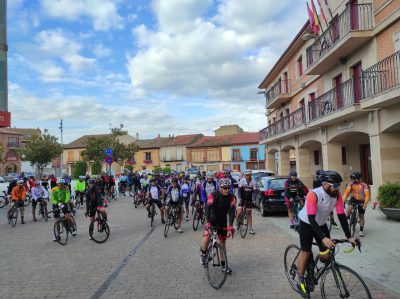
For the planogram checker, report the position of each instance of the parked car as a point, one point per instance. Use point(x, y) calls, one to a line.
point(256, 174)
point(11, 176)
point(1, 179)
point(192, 172)
point(270, 195)
point(236, 176)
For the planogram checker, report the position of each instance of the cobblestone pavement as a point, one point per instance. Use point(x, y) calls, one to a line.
point(138, 262)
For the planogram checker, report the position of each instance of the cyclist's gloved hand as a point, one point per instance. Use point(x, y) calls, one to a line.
point(328, 242)
point(230, 228)
point(207, 226)
point(291, 199)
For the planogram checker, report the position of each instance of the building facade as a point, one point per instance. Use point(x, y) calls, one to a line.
point(246, 152)
point(148, 155)
point(334, 98)
point(10, 159)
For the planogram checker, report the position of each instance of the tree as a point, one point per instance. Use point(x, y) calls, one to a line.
point(96, 168)
point(41, 150)
point(80, 168)
point(167, 170)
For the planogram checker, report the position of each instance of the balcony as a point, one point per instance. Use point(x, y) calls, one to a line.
point(237, 158)
point(12, 144)
point(171, 159)
point(381, 83)
point(346, 33)
point(286, 124)
point(278, 94)
point(147, 161)
point(341, 102)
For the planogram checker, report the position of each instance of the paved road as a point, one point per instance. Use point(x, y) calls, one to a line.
point(138, 262)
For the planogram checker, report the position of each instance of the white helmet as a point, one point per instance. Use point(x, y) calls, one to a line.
point(210, 175)
point(224, 182)
point(60, 181)
point(247, 171)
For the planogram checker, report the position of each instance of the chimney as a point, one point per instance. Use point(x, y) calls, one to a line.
point(169, 135)
point(158, 136)
point(137, 136)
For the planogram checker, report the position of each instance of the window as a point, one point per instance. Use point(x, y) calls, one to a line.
point(316, 157)
point(281, 115)
point(300, 66)
point(344, 155)
point(13, 142)
point(179, 154)
point(236, 155)
point(70, 156)
point(287, 111)
point(254, 154)
point(213, 155)
point(273, 119)
point(148, 156)
point(168, 155)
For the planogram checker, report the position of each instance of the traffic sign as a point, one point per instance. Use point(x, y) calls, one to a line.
point(108, 152)
point(109, 160)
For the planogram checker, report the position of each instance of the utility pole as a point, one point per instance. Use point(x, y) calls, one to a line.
point(62, 153)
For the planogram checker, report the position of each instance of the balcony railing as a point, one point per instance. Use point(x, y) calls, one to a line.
point(382, 76)
point(280, 88)
point(355, 17)
point(237, 158)
point(287, 123)
point(340, 97)
point(147, 161)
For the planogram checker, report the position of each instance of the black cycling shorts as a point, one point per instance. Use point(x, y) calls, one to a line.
point(157, 202)
point(65, 210)
point(35, 202)
point(249, 204)
point(20, 203)
point(307, 235)
point(357, 203)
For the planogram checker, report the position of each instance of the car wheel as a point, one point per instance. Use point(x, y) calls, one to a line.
point(262, 211)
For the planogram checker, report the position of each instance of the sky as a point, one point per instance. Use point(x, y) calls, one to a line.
point(157, 67)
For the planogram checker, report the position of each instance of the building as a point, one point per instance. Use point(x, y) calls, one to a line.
point(10, 159)
point(72, 152)
point(228, 130)
point(334, 99)
point(148, 155)
point(174, 151)
point(246, 152)
point(5, 116)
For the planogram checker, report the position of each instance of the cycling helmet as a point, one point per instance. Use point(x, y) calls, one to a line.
point(293, 173)
point(247, 171)
point(153, 180)
point(318, 172)
point(92, 181)
point(331, 176)
point(60, 181)
point(227, 170)
point(20, 182)
point(355, 175)
point(81, 177)
point(210, 175)
point(225, 182)
point(174, 180)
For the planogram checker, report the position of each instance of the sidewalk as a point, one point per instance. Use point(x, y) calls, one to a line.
point(380, 251)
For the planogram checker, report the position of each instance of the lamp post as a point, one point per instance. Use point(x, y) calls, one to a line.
point(62, 153)
point(119, 160)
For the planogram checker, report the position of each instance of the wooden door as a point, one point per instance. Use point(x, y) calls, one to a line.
point(339, 91)
point(357, 72)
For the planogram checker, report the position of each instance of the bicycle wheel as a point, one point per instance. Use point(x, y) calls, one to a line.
point(353, 222)
point(27, 200)
point(175, 219)
point(2, 201)
point(196, 220)
point(290, 257)
point(61, 232)
point(243, 224)
point(215, 273)
point(343, 282)
point(43, 212)
point(99, 231)
point(167, 225)
point(152, 214)
point(13, 216)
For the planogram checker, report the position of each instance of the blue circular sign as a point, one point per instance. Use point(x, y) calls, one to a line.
point(109, 160)
point(108, 151)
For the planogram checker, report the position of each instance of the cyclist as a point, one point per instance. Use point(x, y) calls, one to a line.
point(294, 189)
point(186, 189)
point(154, 194)
point(94, 201)
point(219, 204)
point(359, 198)
point(39, 194)
point(246, 192)
point(18, 195)
point(227, 174)
point(31, 183)
point(208, 186)
point(122, 183)
point(174, 199)
point(80, 188)
point(61, 195)
point(320, 202)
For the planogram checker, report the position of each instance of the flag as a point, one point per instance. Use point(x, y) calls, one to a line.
point(322, 11)
point(316, 18)
point(312, 21)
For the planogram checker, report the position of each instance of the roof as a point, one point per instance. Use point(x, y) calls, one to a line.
point(245, 138)
point(268, 78)
point(182, 140)
point(81, 141)
point(4, 131)
point(26, 132)
point(211, 141)
point(151, 143)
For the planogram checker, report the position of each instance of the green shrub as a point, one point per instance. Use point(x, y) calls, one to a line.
point(79, 169)
point(96, 168)
point(167, 170)
point(157, 169)
point(389, 195)
point(129, 167)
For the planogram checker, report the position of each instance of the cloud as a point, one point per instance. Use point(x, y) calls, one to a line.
point(100, 51)
point(102, 13)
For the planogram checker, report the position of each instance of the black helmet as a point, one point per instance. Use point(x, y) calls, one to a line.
point(330, 176)
point(91, 181)
point(318, 172)
point(293, 173)
point(355, 175)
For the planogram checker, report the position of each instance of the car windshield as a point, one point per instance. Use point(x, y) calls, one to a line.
point(277, 184)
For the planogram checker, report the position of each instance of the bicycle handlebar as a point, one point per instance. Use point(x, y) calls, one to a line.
point(340, 241)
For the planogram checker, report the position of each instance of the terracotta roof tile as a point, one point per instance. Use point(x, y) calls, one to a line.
point(182, 140)
point(211, 141)
point(151, 143)
point(245, 138)
point(80, 142)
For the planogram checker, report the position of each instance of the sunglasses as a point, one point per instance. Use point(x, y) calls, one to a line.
point(334, 186)
point(225, 188)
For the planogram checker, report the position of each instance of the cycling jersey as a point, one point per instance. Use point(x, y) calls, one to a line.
point(186, 189)
point(60, 195)
point(18, 193)
point(359, 191)
point(207, 189)
point(294, 189)
point(39, 192)
point(217, 209)
point(155, 191)
point(173, 194)
point(246, 189)
point(80, 186)
point(94, 199)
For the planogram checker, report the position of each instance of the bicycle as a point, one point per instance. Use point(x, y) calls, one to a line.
point(296, 207)
point(27, 199)
point(335, 278)
point(42, 210)
point(99, 230)
point(216, 254)
point(354, 218)
point(172, 219)
point(62, 228)
point(4, 199)
point(152, 211)
point(199, 216)
point(243, 224)
point(12, 214)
